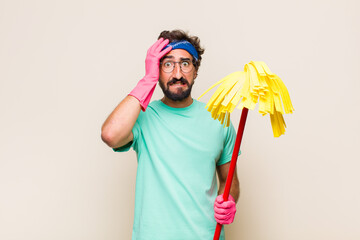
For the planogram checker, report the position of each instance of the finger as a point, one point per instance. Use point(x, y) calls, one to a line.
point(224, 211)
point(220, 211)
point(162, 45)
point(224, 205)
point(155, 45)
point(227, 204)
point(222, 217)
point(219, 199)
point(165, 51)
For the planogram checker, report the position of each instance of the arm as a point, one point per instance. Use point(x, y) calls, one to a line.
point(116, 130)
point(222, 172)
point(224, 211)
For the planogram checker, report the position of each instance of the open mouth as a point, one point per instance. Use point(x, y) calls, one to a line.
point(178, 83)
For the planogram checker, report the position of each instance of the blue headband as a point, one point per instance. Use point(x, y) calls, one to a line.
point(183, 44)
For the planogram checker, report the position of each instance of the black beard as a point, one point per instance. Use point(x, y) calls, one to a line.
point(176, 96)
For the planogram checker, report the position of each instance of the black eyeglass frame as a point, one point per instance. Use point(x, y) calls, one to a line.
point(193, 63)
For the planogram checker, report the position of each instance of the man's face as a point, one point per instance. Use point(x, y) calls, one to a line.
point(177, 84)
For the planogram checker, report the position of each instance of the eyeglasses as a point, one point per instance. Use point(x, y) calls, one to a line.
point(185, 66)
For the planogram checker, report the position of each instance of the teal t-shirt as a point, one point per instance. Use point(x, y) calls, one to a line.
point(178, 150)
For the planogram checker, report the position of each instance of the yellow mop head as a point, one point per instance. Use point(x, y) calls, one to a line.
point(255, 84)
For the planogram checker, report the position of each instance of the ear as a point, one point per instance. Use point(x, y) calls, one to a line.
point(195, 75)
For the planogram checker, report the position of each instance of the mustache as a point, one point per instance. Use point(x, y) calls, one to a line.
point(174, 80)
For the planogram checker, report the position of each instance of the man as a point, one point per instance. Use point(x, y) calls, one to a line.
point(179, 147)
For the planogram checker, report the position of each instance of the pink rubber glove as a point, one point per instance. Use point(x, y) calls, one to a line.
point(224, 211)
point(146, 86)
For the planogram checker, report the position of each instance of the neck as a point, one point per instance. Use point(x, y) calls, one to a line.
point(178, 104)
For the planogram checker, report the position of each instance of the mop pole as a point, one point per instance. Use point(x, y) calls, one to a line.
point(232, 164)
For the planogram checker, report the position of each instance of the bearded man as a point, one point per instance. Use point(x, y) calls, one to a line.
point(180, 148)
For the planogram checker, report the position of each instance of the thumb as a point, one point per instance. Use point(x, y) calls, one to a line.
point(219, 199)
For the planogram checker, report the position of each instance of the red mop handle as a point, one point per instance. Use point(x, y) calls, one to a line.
point(233, 164)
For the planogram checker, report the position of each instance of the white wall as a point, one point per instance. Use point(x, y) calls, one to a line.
point(64, 66)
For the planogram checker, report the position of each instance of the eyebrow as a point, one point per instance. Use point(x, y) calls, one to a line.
point(181, 59)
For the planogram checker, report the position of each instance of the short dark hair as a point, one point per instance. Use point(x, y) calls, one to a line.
point(177, 35)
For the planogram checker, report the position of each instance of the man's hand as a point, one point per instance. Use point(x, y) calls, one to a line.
point(224, 211)
point(146, 86)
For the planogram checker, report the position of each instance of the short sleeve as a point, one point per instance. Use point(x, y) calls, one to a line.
point(124, 148)
point(229, 142)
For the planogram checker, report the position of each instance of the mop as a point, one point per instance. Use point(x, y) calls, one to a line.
point(244, 89)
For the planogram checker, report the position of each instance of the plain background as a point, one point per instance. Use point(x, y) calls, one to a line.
point(65, 65)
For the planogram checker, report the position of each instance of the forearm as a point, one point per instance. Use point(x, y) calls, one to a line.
point(234, 190)
point(116, 130)
point(224, 211)
point(223, 171)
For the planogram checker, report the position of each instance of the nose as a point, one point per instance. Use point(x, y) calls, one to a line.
point(177, 71)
